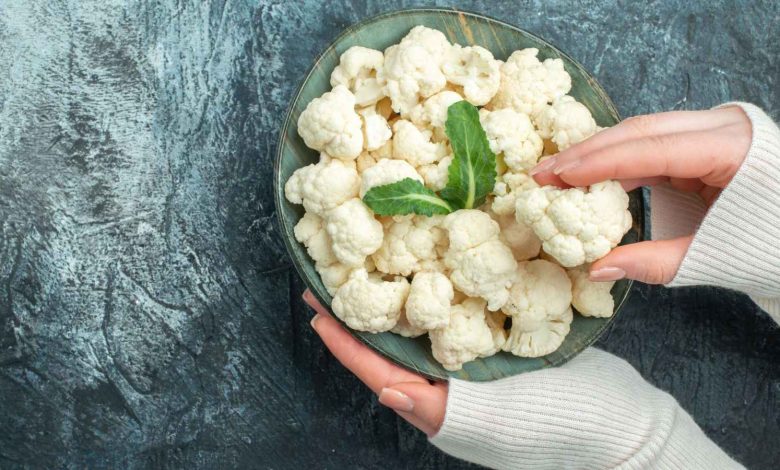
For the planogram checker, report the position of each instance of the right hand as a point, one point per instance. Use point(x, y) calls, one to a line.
point(695, 151)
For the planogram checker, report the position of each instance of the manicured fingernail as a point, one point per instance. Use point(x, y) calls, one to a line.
point(607, 274)
point(314, 321)
point(544, 166)
point(308, 297)
point(566, 166)
point(396, 400)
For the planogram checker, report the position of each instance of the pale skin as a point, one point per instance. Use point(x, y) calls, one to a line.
point(696, 151)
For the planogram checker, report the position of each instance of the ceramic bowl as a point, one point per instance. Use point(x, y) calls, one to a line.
point(464, 28)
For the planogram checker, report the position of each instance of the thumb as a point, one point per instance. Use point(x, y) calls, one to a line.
point(422, 404)
point(651, 262)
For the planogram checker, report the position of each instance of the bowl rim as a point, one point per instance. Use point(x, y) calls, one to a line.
point(288, 236)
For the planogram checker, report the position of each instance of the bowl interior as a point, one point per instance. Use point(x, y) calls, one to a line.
point(463, 28)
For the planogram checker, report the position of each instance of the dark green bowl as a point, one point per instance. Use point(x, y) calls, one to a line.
point(464, 28)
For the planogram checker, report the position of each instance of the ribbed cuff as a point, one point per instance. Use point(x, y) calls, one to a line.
point(737, 245)
point(595, 411)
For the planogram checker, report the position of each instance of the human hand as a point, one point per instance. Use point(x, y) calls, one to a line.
point(694, 151)
point(413, 397)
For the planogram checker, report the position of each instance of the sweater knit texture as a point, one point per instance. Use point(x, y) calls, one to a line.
point(596, 411)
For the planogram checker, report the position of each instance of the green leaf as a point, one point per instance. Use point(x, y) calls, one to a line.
point(472, 173)
point(407, 196)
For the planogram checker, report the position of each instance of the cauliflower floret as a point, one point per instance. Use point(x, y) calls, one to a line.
point(354, 231)
point(428, 304)
point(406, 329)
point(512, 135)
point(334, 276)
point(433, 40)
point(527, 84)
point(565, 122)
point(539, 306)
point(436, 174)
point(467, 337)
point(412, 68)
point(408, 242)
point(323, 186)
point(368, 303)
point(311, 232)
point(506, 189)
point(533, 336)
point(539, 285)
point(376, 131)
point(576, 226)
point(520, 238)
point(414, 145)
point(330, 124)
point(433, 112)
point(357, 71)
point(387, 171)
point(482, 266)
point(591, 299)
point(475, 69)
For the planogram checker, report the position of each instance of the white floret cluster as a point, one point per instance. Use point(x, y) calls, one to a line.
point(457, 278)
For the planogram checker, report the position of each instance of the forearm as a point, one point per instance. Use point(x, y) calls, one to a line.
point(594, 412)
point(736, 245)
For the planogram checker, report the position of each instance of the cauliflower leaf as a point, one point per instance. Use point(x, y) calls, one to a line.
point(407, 196)
point(472, 173)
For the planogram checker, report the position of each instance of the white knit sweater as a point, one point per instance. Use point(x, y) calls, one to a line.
point(596, 411)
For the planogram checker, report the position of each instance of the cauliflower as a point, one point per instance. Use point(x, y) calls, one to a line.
point(591, 299)
point(387, 171)
point(520, 238)
point(376, 131)
point(412, 68)
point(322, 186)
point(334, 276)
point(576, 226)
point(368, 303)
point(527, 84)
point(533, 336)
point(482, 266)
point(357, 71)
point(565, 122)
point(414, 145)
point(506, 189)
point(475, 69)
point(433, 112)
point(354, 231)
point(405, 329)
point(330, 124)
point(436, 174)
point(512, 135)
point(467, 337)
point(428, 304)
point(311, 232)
point(408, 242)
point(539, 306)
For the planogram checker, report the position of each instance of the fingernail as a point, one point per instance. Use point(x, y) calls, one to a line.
point(566, 166)
point(307, 297)
point(607, 274)
point(396, 400)
point(544, 166)
point(314, 321)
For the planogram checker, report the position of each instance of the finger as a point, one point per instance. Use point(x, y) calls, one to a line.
point(547, 178)
point(423, 405)
point(631, 184)
point(712, 157)
point(686, 184)
point(652, 262)
point(371, 368)
point(648, 125)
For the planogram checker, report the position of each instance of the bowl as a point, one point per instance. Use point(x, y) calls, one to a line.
point(464, 28)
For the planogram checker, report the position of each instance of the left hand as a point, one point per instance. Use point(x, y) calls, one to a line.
point(413, 397)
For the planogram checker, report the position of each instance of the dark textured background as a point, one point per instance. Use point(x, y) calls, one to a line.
point(149, 316)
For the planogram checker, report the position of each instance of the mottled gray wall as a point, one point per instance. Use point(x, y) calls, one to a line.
point(149, 316)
